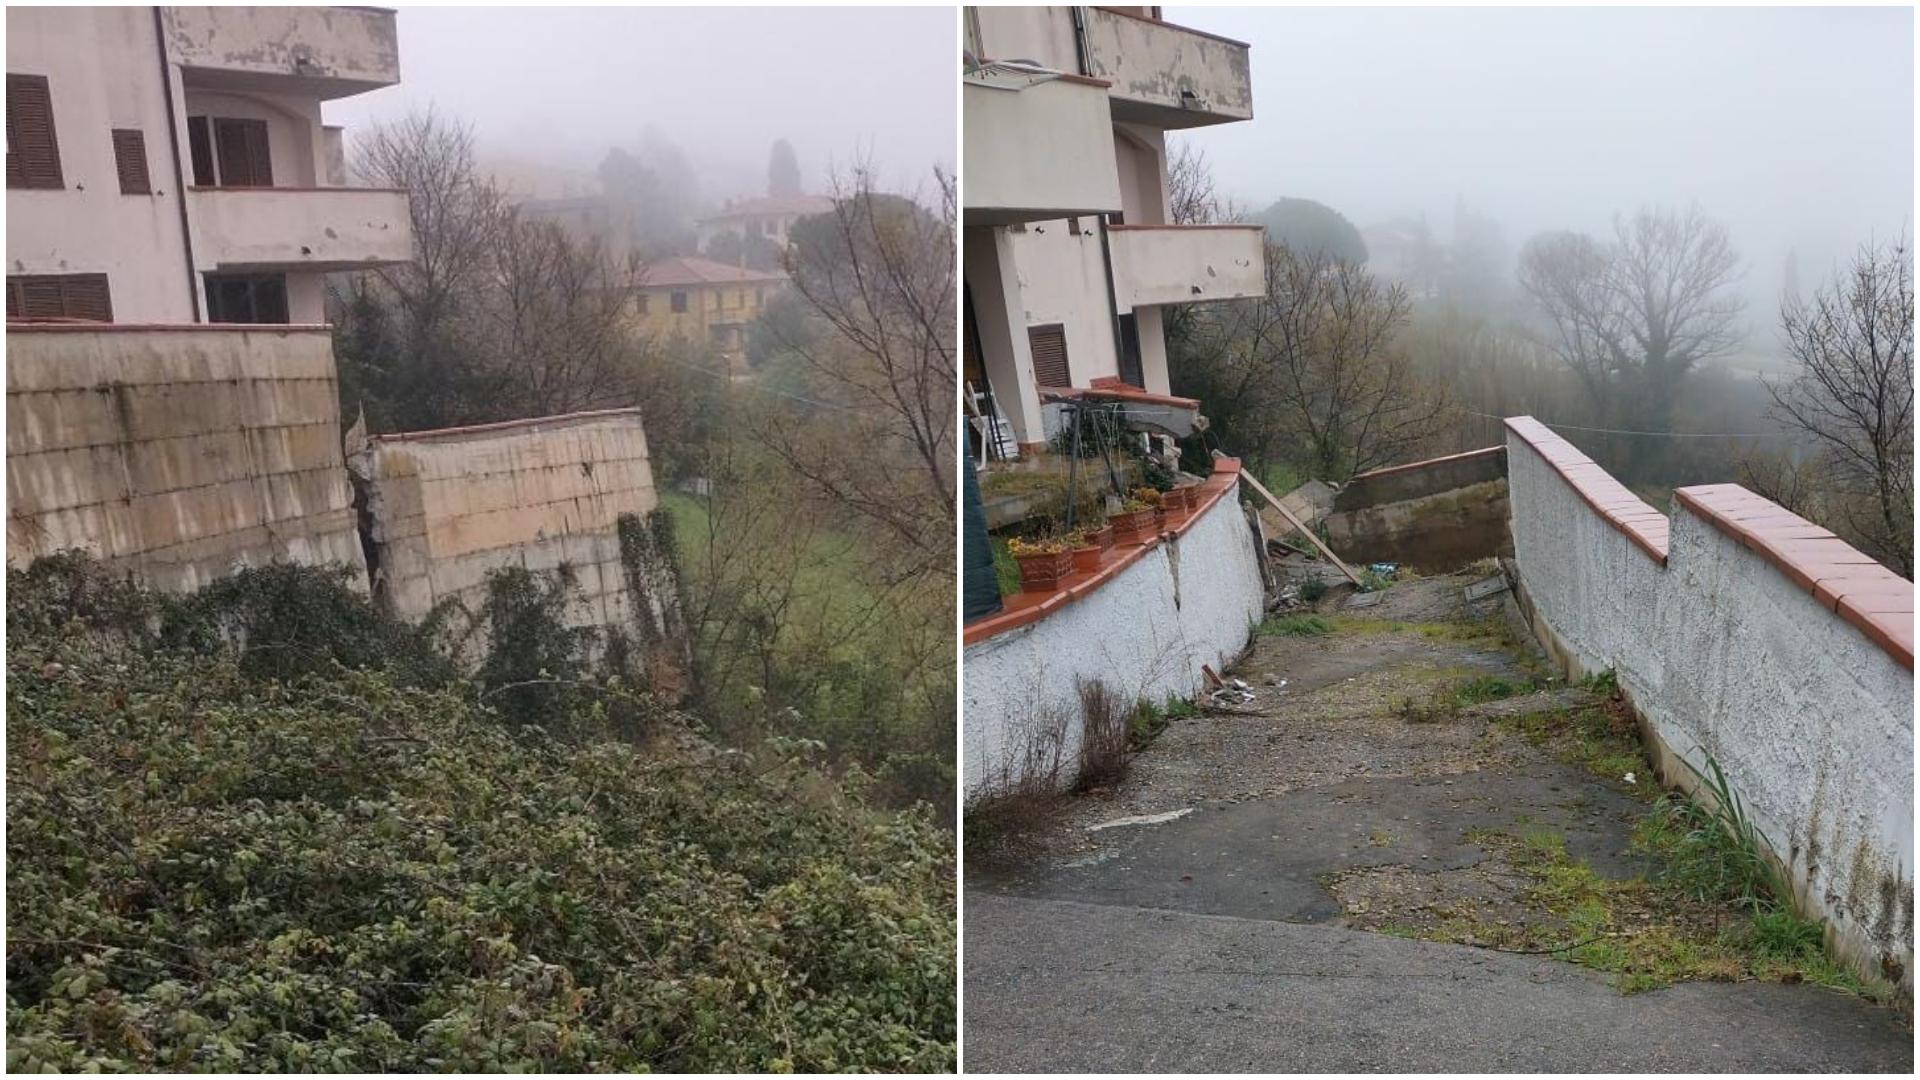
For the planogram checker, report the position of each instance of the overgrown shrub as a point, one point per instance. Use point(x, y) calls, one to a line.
point(1105, 739)
point(211, 868)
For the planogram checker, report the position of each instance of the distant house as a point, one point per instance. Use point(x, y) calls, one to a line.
point(582, 217)
point(704, 302)
point(770, 218)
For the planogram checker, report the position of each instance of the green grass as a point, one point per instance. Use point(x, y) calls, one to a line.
point(1296, 626)
point(1490, 688)
point(1149, 720)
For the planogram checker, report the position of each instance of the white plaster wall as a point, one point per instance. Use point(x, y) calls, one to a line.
point(1040, 152)
point(1043, 35)
point(103, 71)
point(321, 229)
point(1145, 633)
point(357, 45)
point(1722, 653)
point(293, 126)
point(1188, 264)
point(1062, 281)
point(1151, 63)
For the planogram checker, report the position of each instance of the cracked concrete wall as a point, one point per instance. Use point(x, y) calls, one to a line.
point(359, 44)
point(1145, 634)
point(178, 454)
point(1721, 652)
point(446, 508)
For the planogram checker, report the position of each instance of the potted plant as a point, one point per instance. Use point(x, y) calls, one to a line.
point(1087, 549)
point(1177, 502)
point(1138, 519)
point(1044, 562)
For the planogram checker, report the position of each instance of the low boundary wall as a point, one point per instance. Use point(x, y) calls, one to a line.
point(1143, 625)
point(176, 453)
point(1740, 630)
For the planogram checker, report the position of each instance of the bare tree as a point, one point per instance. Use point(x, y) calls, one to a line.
point(555, 319)
point(1314, 371)
point(1634, 315)
point(1853, 395)
point(878, 272)
point(1191, 196)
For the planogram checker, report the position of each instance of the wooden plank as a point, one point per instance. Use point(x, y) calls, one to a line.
point(1296, 523)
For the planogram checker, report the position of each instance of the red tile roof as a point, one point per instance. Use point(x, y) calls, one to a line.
point(693, 270)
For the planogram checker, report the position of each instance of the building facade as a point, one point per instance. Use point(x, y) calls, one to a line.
point(171, 166)
point(702, 302)
point(770, 219)
point(1070, 251)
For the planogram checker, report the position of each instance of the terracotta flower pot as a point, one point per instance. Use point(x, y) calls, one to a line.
point(1103, 539)
point(1177, 501)
point(1086, 560)
point(1133, 526)
point(1043, 573)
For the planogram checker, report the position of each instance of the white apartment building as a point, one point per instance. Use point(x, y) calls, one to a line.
point(771, 218)
point(1069, 254)
point(170, 165)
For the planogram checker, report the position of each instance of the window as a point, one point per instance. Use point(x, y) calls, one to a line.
point(229, 152)
point(678, 301)
point(130, 161)
point(33, 153)
point(1049, 344)
point(59, 296)
point(760, 296)
point(640, 304)
point(770, 227)
point(1131, 371)
point(247, 298)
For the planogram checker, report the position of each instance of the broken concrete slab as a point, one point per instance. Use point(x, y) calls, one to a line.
point(1141, 819)
point(1364, 600)
point(1484, 588)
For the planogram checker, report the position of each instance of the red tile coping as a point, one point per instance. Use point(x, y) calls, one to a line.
point(502, 425)
point(1110, 388)
point(1646, 527)
point(1023, 609)
point(1389, 470)
point(1843, 580)
point(19, 326)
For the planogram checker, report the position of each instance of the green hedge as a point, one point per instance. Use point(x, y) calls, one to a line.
point(212, 869)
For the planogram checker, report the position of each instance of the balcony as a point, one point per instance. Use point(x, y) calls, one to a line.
point(1187, 264)
point(1168, 76)
point(324, 52)
point(324, 229)
point(1039, 147)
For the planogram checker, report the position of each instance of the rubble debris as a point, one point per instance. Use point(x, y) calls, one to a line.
point(1485, 587)
point(1141, 819)
point(1364, 600)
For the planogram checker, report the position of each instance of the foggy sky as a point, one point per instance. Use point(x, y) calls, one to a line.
point(549, 90)
point(1794, 126)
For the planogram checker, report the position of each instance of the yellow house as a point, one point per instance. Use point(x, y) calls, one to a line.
point(704, 302)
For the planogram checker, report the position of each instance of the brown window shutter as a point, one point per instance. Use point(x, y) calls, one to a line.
point(59, 296)
point(1049, 344)
point(33, 153)
point(200, 146)
point(242, 149)
point(130, 161)
point(85, 297)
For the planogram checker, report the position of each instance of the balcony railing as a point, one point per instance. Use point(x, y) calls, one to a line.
point(1038, 150)
point(1187, 264)
point(300, 228)
point(1168, 76)
point(326, 52)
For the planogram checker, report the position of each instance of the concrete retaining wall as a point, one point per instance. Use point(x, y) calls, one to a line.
point(1435, 516)
point(446, 508)
point(1144, 632)
point(1737, 630)
point(178, 454)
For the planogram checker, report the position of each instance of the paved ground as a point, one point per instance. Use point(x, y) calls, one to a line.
point(1209, 913)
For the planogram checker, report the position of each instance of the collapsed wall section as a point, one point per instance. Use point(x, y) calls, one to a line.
point(1436, 515)
point(177, 454)
point(1741, 631)
point(567, 494)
